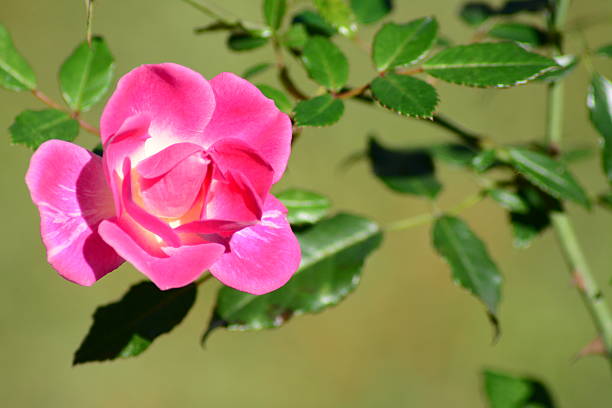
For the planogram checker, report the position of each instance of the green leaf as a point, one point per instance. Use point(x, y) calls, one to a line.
point(281, 100)
point(405, 171)
point(550, 175)
point(398, 45)
point(87, 74)
point(244, 41)
point(325, 63)
point(338, 14)
point(605, 200)
point(487, 64)
point(32, 128)
point(323, 110)
point(405, 94)
point(15, 72)
point(527, 226)
point(475, 14)
point(333, 253)
point(454, 154)
point(370, 11)
point(566, 64)
point(605, 51)
point(304, 207)
point(520, 32)
point(296, 37)
point(128, 327)
point(505, 391)
point(509, 200)
point(599, 102)
point(98, 149)
point(256, 69)
point(314, 23)
point(484, 160)
point(274, 11)
point(472, 267)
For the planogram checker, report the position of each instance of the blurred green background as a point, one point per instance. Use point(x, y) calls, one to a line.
point(407, 337)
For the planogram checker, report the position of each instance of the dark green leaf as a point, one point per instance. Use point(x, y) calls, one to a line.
point(512, 7)
point(454, 154)
point(475, 13)
point(605, 200)
point(304, 207)
point(244, 41)
point(520, 32)
point(484, 160)
point(296, 37)
point(527, 226)
point(566, 64)
point(128, 327)
point(470, 262)
point(256, 69)
point(98, 149)
point(15, 72)
point(405, 171)
point(509, 200)
point(325, 63)
point(599, 102)
point(405, 94)
point(280, 99)
point(398, 45)
point(370, 11)
point(338, 14)
point(314, 23)
point(333, 253)
point(323, 110)
point(87, 74)
point(505, 391)
point(550, 175)
point(487, 64)
point(605, 51)
point(32, 128)
point(274, 11)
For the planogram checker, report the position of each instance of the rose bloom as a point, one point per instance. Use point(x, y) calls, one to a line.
point(183, 186)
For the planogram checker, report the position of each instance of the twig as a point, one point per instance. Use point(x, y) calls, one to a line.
point(75, 115)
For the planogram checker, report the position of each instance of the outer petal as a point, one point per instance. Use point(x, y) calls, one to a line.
point(68, 186)
point(180, 267)
point(179, 102)
point(243, 112)
point(263, 257)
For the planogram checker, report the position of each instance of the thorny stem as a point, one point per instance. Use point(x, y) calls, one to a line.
point(75, 115)
point(590, 292)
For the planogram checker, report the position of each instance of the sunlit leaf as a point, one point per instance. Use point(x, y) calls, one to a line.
point(323, 110)
point(338, 14)
point(15, 72)
point(510, 200)
point(304, 207)
point(274, 11)
point(405, 94)
point(282, 101)
point(32, 128)
point(370, 11)
point(296, 37)
point(325, 63)
point(484, 160)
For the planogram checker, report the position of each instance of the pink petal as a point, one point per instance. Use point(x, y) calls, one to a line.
point(235, 155)
point(243, 112)
point(179, 101)
point(262, 258)
point(179, 267)
point(68, 186)
point(164, 161)
point(233, 199)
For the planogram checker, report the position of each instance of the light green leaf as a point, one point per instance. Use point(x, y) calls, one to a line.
point(325, 63)
point(333, 253)
point(398, 45)
point(505, 391)
point(408, 171)
point(605, 51)
point(405, 94)
point(599, 102)
point(370, 11)
point(274, 11)
point(472, 267)
point(550, 175)
point(280, 99)
point(487, 64)
point(244, 41)
point(127, 327)
point(484, 160)
point(296, 37)
point(15, 72)
point(338, 14)
point(518, 32)
point(256, 69)
point(87, 74)
point(32, 128)
point(509, 200)
point(323, 110)
point(304, 207)
point(566, 64)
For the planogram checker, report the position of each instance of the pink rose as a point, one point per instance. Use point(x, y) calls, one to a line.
point(183, 185)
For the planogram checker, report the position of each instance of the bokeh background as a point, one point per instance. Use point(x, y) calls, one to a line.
point(406, 337)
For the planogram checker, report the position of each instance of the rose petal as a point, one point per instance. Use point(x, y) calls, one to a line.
point(179, 101)
point(243, 112)
point(262, 258)
point(233, 199)
point(68, 186)
point(180, 267)
point(164, 161)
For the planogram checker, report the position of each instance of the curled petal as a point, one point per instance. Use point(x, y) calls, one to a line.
point(67, 185)
point(262, 257)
